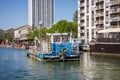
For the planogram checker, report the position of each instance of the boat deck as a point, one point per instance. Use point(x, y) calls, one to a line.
point(55, 59)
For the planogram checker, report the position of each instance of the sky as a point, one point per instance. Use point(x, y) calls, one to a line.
point(14, 13)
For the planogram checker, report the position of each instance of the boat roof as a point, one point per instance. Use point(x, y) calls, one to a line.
point(109, 30)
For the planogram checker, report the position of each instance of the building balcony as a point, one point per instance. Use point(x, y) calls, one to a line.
point(115, 26)
point(81, 0)
point(115, 19)
point(82, 11)
point(99, 7)
point(82, 18)
point(99, 28)
point(99, 22)
point(115, 11)
point(82, 25)
point(97, 1)
point(82, 4)
point(99, 14)
point(82, 31)
point(115, 2)
point(82, 37)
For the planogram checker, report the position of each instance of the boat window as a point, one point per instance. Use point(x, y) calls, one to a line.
point(65, 39)
point(57, 38)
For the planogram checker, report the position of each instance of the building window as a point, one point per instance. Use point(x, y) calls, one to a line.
point(92, 2)
point(106, 22)
point(87, 8)
point(28, 29)
point(19, 32)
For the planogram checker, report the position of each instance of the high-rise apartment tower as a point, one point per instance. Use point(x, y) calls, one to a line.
point(95, 15)
point(41, 12)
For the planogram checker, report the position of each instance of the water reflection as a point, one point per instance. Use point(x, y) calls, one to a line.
point(94, 67)
point(14, 65)
point(56, 70)
point(100, 67)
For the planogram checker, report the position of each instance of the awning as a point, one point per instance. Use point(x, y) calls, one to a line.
point(109, 30)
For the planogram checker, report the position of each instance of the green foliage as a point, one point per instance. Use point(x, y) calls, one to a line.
point(2, 34)
point(9, 37)
point(75, 17)
point(32, 34)
point(64, 26)
point(41, 33)
point(75, 29)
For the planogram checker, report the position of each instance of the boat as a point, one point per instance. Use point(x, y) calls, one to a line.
point(107, 41)
point(57, 47)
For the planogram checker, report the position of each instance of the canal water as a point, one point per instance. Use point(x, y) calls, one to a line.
point(14, 65)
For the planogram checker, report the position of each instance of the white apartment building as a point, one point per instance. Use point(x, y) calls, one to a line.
point(41, 12)
point(95, 15)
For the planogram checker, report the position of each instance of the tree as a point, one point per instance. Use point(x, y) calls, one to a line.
point(64, 26)
point(59, 27)
point(9, 37)
point(40, 33)
point(32, 34)
point(75, 16)
point(75, 29)
point(2, 34)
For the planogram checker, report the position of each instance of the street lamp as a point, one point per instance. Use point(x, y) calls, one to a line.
point(40, 24)
point(40, 27)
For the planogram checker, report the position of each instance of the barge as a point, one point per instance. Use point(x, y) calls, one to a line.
point(57, 47)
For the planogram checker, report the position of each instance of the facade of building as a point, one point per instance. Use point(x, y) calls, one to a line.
point(41, 12)
point(96, 15)
point(21, 32)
